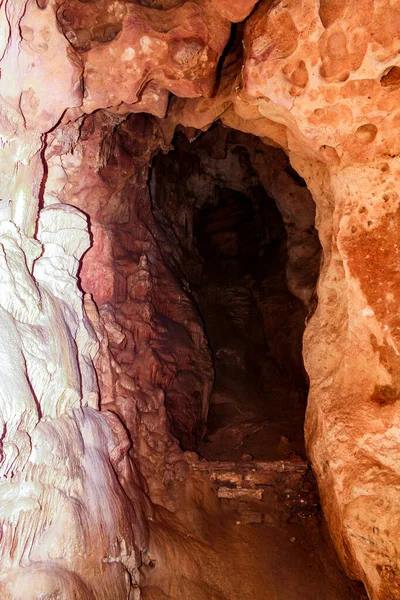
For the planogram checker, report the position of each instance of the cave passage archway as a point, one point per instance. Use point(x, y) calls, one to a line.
point(241, 222)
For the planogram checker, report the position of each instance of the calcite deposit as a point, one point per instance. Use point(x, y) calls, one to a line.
point(107, 369)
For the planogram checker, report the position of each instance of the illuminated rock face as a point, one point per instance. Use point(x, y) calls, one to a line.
point(60, 455)
point(65, 516)
point(320, 80)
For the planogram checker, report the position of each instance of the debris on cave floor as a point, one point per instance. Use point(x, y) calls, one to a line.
point(257, 536)
point(248, 480)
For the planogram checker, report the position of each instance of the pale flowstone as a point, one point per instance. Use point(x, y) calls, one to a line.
point(59, 456)
point(58, 534)
point(47, 352)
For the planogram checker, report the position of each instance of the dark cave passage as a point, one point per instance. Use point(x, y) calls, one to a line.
point(254, 325)
point(238, 256)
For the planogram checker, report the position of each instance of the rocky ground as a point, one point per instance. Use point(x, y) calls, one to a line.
point(260, 537)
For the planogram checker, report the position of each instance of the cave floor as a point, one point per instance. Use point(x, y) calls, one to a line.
point(278, 560)
point(262, 436)
point(244, 549)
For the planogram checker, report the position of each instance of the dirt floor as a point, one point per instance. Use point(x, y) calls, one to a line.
point(242, 550)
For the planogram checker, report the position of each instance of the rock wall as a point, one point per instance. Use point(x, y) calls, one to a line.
point(154, 368)
point(66, 481)
point(328, 82)
point(320, 81)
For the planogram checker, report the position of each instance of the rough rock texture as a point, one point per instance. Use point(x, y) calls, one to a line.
point(165, 47)
point(155, 368)
point(320, 80)
point(339, 107)
point(60, 457)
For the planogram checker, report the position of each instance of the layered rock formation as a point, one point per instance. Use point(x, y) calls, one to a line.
point(60, 455)
point(317, 79)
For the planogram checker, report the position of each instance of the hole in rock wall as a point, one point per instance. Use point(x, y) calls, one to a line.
point(240, 225)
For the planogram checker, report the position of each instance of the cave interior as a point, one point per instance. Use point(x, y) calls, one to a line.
point(199, 279)
point(230, 245)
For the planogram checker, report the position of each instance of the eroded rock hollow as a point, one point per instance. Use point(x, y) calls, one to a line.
point(239, 255)
point(199, 288)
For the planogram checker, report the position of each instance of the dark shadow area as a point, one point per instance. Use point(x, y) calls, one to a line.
point(255, 327)
point(239, 255)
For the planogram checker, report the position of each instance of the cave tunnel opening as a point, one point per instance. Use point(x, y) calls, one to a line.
point(241, 221)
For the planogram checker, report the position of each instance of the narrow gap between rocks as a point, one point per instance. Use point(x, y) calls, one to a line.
point(236, 228)
point(228, 204)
